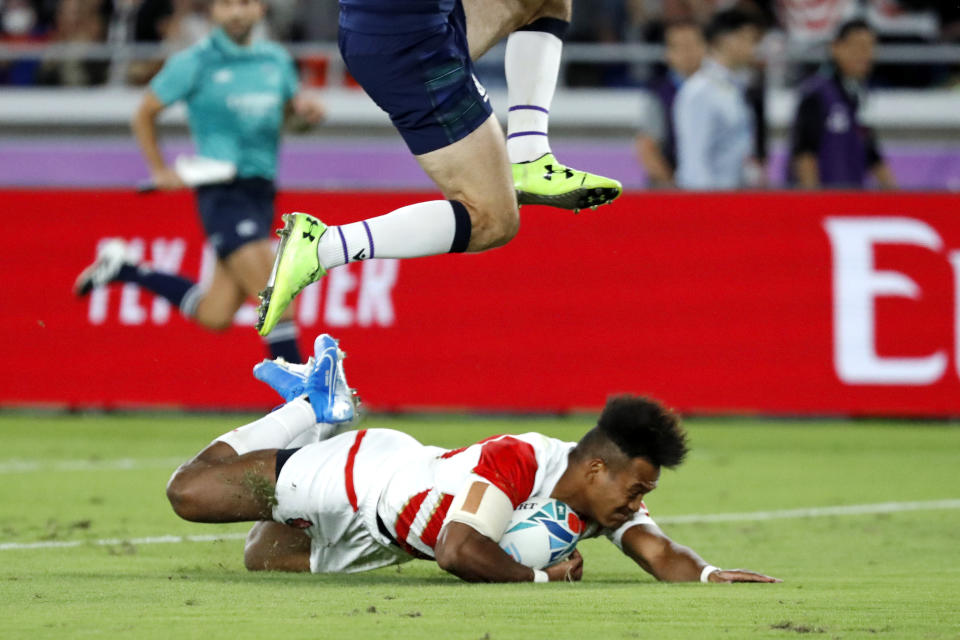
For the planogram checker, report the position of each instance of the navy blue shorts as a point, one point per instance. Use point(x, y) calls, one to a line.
point(424, 80)
point(236, 213)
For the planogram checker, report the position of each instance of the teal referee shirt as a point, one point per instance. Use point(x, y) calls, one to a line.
point(235, 99)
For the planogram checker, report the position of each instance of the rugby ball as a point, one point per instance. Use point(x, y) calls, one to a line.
point(542, 532)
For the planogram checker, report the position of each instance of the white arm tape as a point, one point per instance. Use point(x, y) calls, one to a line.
point(707, 570)
point(492, 514)
point(540, 576)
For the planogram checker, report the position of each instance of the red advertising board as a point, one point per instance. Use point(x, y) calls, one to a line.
point(775, 303)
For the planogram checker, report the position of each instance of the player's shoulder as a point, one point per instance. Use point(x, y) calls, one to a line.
point(274, 50)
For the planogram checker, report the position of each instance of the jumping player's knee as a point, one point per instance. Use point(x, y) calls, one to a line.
point(493, 227)
point(560, 9)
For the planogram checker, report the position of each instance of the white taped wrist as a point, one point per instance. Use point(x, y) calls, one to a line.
point(707, 570)
point(540, 576)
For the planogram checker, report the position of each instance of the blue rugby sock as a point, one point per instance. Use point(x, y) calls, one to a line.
point(182, 292)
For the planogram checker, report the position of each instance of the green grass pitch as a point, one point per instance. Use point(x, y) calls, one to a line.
point(98, 478)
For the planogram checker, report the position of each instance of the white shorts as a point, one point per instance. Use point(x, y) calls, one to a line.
point(335, 486)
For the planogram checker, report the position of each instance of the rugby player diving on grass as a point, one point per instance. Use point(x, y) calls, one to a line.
point(329, 500)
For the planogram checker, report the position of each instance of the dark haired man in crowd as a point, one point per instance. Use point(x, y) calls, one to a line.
point(714, 124)
point(656, 141)
point(366, 499)
point(829, 145)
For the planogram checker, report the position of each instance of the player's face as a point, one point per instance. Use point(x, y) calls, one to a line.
point(854, 54)
point(237, 17)
point(685, 49)
point(615, 492)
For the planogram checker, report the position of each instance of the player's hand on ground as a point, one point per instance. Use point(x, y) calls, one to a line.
point(740, 575)
point(569, 570)
point(166, 179)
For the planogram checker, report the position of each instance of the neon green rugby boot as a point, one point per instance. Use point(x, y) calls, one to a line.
point(296, 266)
point(546, 181)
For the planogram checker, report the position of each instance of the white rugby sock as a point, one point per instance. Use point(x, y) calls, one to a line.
point(275, 430)
point(422, 229)
point(531, 64)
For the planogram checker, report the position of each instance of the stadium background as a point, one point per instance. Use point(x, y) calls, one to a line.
point(665, 292)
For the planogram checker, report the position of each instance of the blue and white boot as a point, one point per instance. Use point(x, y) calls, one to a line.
point(286, 378)
point(333, 400)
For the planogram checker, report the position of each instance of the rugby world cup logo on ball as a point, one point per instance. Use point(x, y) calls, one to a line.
point(543, 531)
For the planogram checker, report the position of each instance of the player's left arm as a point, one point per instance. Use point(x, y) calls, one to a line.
point(668, 561)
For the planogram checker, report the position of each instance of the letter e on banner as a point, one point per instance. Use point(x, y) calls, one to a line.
point(857, 285)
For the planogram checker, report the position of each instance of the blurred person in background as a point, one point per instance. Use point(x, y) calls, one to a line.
point(78, 24)
point(656, 143)
point(714, 124)
point(21, 22)
point(238, 92)
point(176, 24)
point(829, 145)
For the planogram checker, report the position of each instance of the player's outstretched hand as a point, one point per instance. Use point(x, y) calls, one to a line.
point(569, 570)
point(740, 575)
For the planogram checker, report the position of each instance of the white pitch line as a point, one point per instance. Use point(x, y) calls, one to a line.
point(110, 542)
point(812, 512)
point(120, 464)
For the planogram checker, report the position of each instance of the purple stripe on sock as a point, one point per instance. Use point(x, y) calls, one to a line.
point(343, 241)
point(534, 107)
point(369, 236)
point(526, 133)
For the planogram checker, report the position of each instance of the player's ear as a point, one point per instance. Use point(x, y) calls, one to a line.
point(594, 467)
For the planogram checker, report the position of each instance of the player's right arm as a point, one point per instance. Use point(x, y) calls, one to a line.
point(144, 125)
point(177, 80)
point(467, 547)
point(669, 561)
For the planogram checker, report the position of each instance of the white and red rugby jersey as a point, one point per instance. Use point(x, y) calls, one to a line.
point(414, 501)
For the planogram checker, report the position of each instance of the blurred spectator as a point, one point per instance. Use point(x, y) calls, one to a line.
point(177, 24)
point(906, 22)
point(21, 22)
point(829, 145)
point(77, 25)
point(713, 122)
point(812, 22)
point(656, 142)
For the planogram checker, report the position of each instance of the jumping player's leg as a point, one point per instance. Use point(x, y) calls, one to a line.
point(425, 81)
point(536, 30)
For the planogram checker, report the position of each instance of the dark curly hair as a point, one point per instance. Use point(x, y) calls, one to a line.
point(637, 427)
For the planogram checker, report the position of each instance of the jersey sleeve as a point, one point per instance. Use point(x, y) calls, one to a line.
point(291, 81)
point(177, 79)
point(640, 517)
point(510, 464)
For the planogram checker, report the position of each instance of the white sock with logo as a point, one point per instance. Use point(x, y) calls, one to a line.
point(275, 430)
point(422, 229)
point(531, 64)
